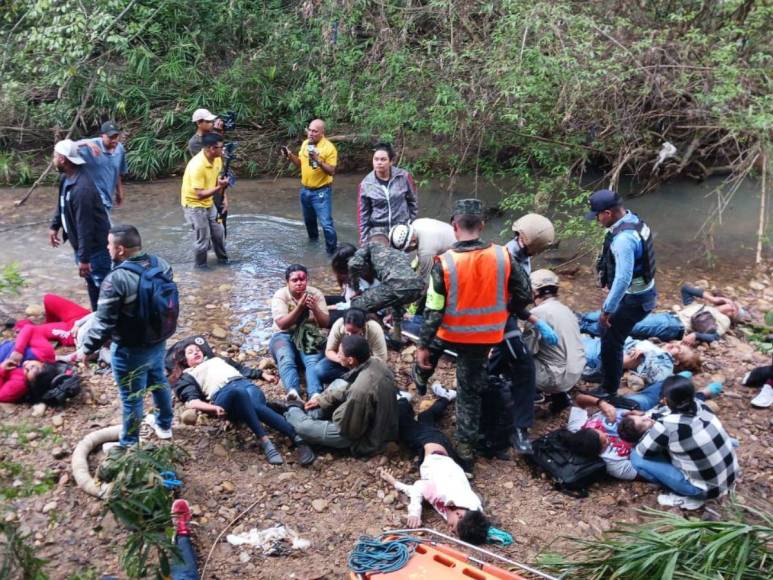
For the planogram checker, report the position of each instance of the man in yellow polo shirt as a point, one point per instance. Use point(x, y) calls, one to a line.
point(200, 183)
point(317, 160)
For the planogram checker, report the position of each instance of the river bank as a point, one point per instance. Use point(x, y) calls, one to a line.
point(338, 498)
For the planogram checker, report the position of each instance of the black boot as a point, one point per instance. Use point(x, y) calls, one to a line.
point(559, 402)
point(520, 441)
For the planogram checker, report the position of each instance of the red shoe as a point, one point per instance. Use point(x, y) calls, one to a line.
point(181, 515)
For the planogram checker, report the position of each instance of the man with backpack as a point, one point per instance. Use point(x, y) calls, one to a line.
point(138, 308)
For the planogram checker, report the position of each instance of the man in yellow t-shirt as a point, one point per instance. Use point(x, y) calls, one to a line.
point(317, 160)
point(200, 183)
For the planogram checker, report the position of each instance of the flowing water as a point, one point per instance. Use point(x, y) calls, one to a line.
point(266, 233)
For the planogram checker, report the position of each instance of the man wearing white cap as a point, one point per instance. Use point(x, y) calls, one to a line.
point(204, 122)
point(82, 217)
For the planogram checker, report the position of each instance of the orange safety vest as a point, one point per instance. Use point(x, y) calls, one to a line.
point(476, 295)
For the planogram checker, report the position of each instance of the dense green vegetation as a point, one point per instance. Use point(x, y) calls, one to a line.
point(533, 89)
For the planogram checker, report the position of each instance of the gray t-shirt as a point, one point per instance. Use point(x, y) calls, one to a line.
point(194, 144)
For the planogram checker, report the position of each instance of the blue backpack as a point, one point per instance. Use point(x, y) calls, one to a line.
point(158, 301)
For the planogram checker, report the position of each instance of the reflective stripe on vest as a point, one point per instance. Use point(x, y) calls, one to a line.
point(477, 295)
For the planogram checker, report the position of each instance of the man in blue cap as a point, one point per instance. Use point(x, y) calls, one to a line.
point(626, 267)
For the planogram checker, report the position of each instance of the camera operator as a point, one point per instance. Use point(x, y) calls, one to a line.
point(207, 122)
point(317, 160)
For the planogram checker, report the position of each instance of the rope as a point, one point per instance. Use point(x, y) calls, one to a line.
point(376, 556)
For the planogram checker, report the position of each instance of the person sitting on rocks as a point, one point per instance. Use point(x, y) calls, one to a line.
point(694, 323)
point(687, 451)
point(354, 323)
point(358, 412)
point(443, 483)
point(222, 387)
point(612, 432)
point(647, 362)
point(299, 312)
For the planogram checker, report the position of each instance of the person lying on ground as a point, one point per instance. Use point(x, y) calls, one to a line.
point(354, 323)
point(644, 359)
point(299, 312)
point(19, 381)
point(611, 433)
point(222, 387)
point(358, 412)
point(443, 483)
point(686, 451)
point(558, 367)
point(761, 377)
point(21, 361)
point(694, 323)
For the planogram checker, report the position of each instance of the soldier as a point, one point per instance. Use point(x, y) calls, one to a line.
point(398, 285)
point(472, 287)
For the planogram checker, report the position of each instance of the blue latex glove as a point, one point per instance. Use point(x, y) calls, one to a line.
point(547, 333)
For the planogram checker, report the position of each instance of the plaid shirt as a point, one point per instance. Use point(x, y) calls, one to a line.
point(698, 446)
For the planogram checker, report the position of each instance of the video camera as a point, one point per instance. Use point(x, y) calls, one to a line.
point(229, 155)
point(229, 120)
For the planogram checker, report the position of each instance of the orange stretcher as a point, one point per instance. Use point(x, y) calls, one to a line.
point(437, 561)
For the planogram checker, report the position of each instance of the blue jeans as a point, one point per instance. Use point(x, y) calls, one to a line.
point(592, 370)
point(317, 204)
point(665, 326)
point(328, 371)
point(245, 403)
point(101, 264)
point(649, 397)
point(632, 308)
point(185, 568)
point(288, 359)
point(663, 472)
point(136, 368)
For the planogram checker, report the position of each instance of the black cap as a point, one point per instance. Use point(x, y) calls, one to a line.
point(601, 200)
point(109, 128)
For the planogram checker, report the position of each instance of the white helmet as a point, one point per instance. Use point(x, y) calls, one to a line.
point(542, 279)
point(400, 236)
point(535, 231)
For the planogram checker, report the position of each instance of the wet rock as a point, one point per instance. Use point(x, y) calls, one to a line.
point(319, 505)
point(38, 410)
point(32, 435)
point(286, 476)
point(219, 332)
point(57, 420)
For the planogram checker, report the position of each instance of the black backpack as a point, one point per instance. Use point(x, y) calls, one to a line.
point(570, 473)
point(158, 302)
point(496, 418)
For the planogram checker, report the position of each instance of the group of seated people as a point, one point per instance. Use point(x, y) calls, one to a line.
point(352, 401)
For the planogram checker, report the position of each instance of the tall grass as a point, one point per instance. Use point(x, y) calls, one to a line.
point(670, 546)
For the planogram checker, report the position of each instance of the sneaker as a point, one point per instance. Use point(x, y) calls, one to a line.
point(680, 501)
point(272, 453)
point(421, 384)
point(181, 515)
point(539, 398)
point(304, 454)
point(764, 399)
point(150, 419)
point(442, 393)
point(520, 441)
point(404, 395)
point(292, 395)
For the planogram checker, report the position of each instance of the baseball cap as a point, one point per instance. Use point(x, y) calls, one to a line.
point(602, 200)
point(467, 207)
point(69, 149)
point(203, 115)
point(109, 128)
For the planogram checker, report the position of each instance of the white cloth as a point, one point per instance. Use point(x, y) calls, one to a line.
point(212, 374)
point(443, 484)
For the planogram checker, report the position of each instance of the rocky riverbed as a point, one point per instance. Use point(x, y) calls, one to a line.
point(338, 498)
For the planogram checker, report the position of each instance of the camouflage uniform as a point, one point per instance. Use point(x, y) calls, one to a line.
point(471, 375)
point(398, 285)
